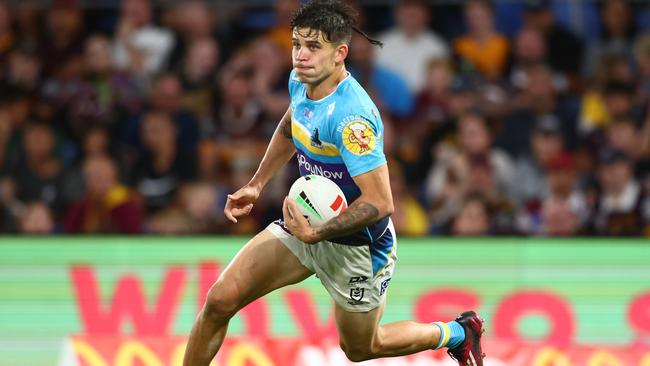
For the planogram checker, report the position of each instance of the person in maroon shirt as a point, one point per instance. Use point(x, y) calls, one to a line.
point(108, 206)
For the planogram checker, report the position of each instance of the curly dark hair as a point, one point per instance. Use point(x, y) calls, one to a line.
point(334, 18)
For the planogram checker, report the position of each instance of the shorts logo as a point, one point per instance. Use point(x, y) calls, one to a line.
point(383, 286)
point(356, 294)
point(358, 279)
point(358, 137)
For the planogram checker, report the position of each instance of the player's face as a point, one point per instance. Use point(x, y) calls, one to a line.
point(314, 59)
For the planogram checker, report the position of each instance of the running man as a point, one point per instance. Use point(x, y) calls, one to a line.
point(336, 131)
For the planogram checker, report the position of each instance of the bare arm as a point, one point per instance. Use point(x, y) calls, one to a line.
point(375, 203)
point(279, 151)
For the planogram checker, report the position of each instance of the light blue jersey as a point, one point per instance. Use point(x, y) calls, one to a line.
point(339, 137)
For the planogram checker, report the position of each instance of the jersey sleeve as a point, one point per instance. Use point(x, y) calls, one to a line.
point(360, 141)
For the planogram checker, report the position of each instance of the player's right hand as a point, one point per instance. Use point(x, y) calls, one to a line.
point(240, 203)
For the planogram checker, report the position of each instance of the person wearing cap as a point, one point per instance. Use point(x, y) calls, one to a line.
point(618, 209)
point(546, 140)
point(563, 197)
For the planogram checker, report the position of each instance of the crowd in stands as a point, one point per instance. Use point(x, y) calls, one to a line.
point(501, 118)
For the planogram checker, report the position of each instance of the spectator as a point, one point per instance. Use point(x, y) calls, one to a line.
point(166, 97)
point(63, 43)
point(537, 98)
point(140, 47)
point(429, 123)
point(195, 212)
point(36, 175)
point(433, 103)
point(28, 18)
point(103, 96)
point(23, 70)
point(529, 49)
point(164, 165)
point(482, 49)
point(240, 115)
point(563, 209)
point(617, 34)
point(558, 219)
point(622, 134)
point(96, 143)
point(528, 186)
point(271, 70)
point(473, 219)
point(280, 33)
point(198, 73)
point(409, 46)
point(192, 21)
point(613, 77)
point(36, 220)
point(564, 48)
point(475, 167)
point(108, 206)
point(389, 90)
point(618, 210)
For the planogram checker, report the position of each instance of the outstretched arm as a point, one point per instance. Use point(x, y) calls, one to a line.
point(375, 203)
point(279, 151)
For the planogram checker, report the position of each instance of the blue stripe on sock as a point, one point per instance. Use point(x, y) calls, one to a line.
point(457, 334)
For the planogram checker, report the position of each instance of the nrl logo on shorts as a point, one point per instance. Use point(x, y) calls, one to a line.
point(356, 294)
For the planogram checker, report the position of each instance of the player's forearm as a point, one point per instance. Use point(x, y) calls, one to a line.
point(279, 151)
point(359, 215)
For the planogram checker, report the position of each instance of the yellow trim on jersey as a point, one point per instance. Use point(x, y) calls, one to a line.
point(301, 134)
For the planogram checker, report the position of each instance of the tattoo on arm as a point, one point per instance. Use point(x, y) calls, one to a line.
point(285, 127)
point(354, 218)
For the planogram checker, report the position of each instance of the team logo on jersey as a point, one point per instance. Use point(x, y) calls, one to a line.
point(358, 137)
point(308, 113)
point(330, 108)
point(315, 139)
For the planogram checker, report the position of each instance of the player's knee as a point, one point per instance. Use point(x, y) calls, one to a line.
point(221, 304)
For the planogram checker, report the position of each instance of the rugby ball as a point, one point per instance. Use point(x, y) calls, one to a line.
point(319, 199)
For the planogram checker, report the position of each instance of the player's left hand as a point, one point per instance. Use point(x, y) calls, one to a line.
point(296, 223)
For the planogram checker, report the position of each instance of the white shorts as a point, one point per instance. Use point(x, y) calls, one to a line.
point(356, 277)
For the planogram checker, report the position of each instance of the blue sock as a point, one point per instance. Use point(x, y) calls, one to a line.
point(452, 334)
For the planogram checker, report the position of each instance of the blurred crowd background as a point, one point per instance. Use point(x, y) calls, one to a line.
point(502, 118)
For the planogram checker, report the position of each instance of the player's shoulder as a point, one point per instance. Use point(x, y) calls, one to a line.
point(353, 102)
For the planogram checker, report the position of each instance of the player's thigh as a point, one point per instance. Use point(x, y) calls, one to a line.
point(261, 266)
point(357, 330)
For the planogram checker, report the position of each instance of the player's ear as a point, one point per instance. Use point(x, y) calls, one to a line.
point(341, 52)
